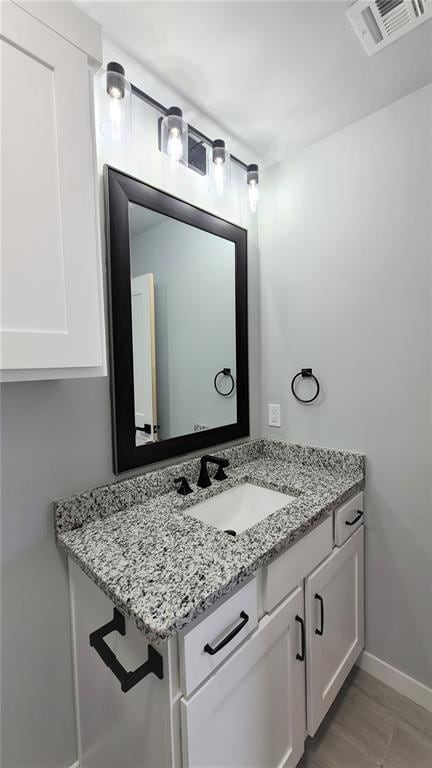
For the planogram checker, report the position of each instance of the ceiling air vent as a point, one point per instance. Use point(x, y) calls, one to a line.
point(380, 22)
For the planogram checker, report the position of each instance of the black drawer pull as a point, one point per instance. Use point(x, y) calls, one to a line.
point(320, 631)
point(244, 620)
point(301, 656)
point(127, 679)
point(356, 519)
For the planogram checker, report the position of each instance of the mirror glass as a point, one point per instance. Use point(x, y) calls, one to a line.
point(183, 327)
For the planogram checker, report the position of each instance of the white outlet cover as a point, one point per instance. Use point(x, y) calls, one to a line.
point(274, 415)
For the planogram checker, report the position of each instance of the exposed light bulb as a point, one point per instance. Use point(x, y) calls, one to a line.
point(174, 137)
point(253, 194)
point(220, 167)
point(115, 92)
point(116, 121)
point(174, 145)
point(115, 110)
point(252, 183)
point(219, 176)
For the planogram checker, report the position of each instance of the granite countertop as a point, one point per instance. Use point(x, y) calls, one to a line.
point(160, 566)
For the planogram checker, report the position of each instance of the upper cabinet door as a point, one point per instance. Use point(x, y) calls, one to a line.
point(335, 625)
point(51, 300)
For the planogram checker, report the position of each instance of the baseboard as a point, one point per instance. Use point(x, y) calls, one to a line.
point(402, 683)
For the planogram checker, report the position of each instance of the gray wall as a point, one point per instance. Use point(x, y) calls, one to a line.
point(194, 277)
point(345, 254)
point(56, 440)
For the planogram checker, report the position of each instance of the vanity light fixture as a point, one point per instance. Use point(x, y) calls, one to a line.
point(115, 80)
point(182, 143)
point(115, 110)
point(219, 168)
point(252, 182)
point(175, 137)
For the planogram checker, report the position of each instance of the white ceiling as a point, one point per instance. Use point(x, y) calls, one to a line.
point(277, 75)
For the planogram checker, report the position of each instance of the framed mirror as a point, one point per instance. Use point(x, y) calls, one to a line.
point(178, 310)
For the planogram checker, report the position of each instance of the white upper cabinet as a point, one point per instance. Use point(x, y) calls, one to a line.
point(52, 319)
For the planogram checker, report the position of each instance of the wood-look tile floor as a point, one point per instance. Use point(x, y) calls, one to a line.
point(371, 725)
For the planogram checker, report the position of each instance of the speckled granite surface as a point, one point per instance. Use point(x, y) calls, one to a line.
point(163, 568)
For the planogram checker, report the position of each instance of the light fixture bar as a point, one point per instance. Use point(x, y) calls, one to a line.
point(164, 111)
point(149, 100)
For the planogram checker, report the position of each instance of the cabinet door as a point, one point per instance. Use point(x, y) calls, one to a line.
point(51, 314)
point(252, 711)
point(335, 625)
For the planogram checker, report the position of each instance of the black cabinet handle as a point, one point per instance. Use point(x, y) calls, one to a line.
point(127, 679)
point(321, 601)
point(356, 519)
point(301, 656)
point(244, 620)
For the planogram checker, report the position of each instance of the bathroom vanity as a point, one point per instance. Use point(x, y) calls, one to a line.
point(247, 638)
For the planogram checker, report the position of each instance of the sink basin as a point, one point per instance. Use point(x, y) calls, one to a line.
point(237, 509)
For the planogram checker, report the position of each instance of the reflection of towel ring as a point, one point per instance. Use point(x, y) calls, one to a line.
point(305, 373)
point(224, 372)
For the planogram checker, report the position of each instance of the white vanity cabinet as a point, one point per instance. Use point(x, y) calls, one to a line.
point(278, 656)
point(335, 625)
point(252, 711)
point(52, 319)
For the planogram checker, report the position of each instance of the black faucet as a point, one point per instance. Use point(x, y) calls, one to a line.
point(204, 480)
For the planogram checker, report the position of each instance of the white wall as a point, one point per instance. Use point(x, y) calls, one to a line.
point(194, 279)
point(345, 251)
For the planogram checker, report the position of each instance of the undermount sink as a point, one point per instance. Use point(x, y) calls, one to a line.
point(237, 509)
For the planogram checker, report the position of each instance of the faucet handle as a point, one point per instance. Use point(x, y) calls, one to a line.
point(184, 488)
point(220, 474)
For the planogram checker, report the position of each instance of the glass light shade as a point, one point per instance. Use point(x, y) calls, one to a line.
point(252, 183)
point(174, 137)
point(114, 103)
point(220, 168)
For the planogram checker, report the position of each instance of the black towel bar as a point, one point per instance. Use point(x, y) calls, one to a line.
point(127, 679)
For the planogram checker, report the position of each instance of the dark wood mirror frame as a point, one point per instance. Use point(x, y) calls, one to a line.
point(120, 190)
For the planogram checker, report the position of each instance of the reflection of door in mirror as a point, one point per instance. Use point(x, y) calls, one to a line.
point(144, 355)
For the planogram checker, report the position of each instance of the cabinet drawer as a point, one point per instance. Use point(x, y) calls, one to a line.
point(289, 569)
point(347, 519)
point(198, 646)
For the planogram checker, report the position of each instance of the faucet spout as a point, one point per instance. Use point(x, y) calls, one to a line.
point(204, 480)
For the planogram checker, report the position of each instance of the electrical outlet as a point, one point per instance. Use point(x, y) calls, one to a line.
point(274, 415)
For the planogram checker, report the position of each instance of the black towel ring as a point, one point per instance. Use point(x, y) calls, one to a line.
point(224, 372)
point(305, 373)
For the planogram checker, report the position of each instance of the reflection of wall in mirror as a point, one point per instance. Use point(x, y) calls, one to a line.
point(194, 273)
point(143, 340)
